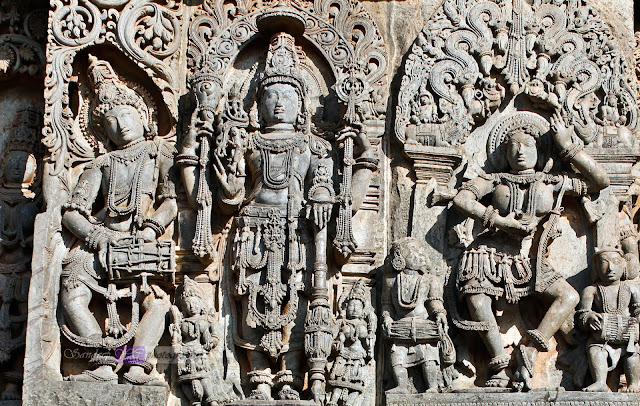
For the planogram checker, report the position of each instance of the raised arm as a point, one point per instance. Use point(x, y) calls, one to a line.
point(597, 178)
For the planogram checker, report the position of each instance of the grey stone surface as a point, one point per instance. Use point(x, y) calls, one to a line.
point(463, 172)
point(95, 394)
point(534, 398)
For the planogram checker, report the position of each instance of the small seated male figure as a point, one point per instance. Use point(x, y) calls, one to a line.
point(414, 317)
point(609, 310)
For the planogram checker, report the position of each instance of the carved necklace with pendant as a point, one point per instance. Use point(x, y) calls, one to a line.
point(131, 153)
point(277, 176)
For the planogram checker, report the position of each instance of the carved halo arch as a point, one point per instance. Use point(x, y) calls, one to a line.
point(359, 66)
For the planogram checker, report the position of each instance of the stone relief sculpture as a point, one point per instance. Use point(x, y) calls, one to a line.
point(518, 122)
point(609, 311)
point(194, 333)
point(279, 179)
point(20, 201)
point(506, 261)
point(415, 320)
point(119, 253)
point(494, 98)
point(353, 347)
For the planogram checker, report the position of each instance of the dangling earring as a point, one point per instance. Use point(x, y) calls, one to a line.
point(398, 263)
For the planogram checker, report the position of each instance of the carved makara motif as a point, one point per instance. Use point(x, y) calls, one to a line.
point(119, 253)
point(20, 201)
point(473, 55)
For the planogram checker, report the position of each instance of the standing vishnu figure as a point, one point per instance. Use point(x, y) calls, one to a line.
point(509, 258)
point(118, 245)
point(280, 187)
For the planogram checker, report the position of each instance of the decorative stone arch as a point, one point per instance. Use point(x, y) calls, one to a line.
point(359, 61)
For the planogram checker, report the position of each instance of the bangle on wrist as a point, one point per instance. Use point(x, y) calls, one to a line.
point(489, 217)
point(571, 151)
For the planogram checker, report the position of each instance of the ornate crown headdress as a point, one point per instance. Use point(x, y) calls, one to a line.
point(358, 291)
point(283, 63)
point(189, 288)
point(25, 132)
point(597, 251)
point(110, 91)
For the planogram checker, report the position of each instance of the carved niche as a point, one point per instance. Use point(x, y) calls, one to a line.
point(22, 64)
point(481, 79)
point(120, 244)
point(251, 174)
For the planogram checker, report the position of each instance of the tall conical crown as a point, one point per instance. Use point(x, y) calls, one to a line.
point(283, 63)
point(111, 92)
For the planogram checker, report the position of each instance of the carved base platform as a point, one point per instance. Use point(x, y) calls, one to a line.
point(533, 398)
point(250, 402)
point(97, 394)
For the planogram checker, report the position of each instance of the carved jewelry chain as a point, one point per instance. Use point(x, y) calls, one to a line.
point(606, 303)
point(134, 192)
point(270, 174)
point(276, 146)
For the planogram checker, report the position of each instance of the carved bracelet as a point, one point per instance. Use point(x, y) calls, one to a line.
point(153, 224)
point(489, 217)
point(571, 151)
point(187, 160)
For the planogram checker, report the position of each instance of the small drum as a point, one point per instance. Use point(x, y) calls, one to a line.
point(414, 330)
point(618, 329)
point(130, 257)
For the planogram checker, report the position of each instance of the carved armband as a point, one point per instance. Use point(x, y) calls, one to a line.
point(187, 160)
point(571, 151)
point(80, 200)
point(489, 217)
point(364, 162)
point(153, 224)
point(322, 180)
point(472, 188)
point(167, 189)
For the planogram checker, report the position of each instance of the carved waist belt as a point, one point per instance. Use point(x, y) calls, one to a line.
point(257, 213)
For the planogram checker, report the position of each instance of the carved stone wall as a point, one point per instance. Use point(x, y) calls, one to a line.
point(334, 202)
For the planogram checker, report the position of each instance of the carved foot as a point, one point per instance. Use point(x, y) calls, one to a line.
point(524, 372)
point(101, 374)
point(257, 394)
point(498, 380)
point(597, 387)
point(140, 378)
point(634, 388)
point(288, 393)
